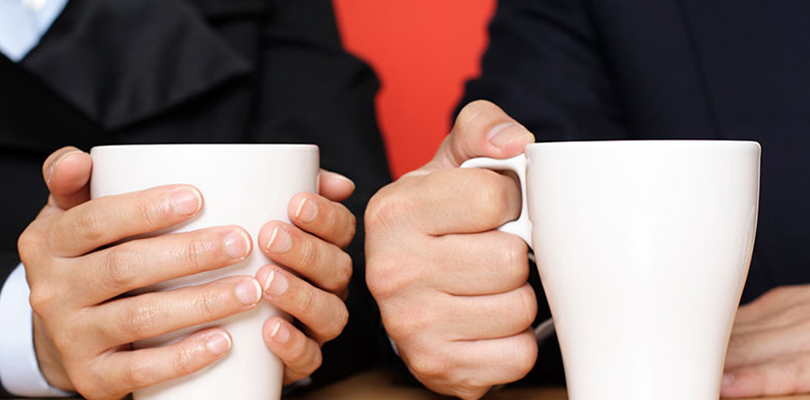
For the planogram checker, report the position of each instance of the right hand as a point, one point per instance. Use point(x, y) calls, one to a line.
point(453, 291)
point(78, 268)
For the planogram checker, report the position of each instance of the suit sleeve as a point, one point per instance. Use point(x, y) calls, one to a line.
point(546, 66)
point(312, 91)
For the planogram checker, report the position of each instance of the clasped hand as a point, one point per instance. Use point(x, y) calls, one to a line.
point(79, 263)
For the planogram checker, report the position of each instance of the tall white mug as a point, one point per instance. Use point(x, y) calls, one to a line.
point(643, 248)
point(245, 185)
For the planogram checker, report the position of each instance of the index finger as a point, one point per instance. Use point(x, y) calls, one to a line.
point(108, 219)
point(448, 201)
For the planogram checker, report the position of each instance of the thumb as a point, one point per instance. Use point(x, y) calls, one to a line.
point(482, 129)
point(67, 174)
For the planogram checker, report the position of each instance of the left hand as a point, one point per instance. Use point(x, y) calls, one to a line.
point(313, 282)
point(769, 351)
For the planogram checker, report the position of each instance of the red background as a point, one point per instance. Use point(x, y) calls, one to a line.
point(423, 51)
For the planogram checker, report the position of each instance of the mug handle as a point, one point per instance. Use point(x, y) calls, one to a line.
point(522, 226)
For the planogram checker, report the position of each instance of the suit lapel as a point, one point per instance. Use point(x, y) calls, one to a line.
point(120, 62)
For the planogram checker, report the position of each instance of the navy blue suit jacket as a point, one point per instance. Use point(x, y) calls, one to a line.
point(656, 69)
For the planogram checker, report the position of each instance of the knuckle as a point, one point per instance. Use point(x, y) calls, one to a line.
point(298, 354)
point(138, 320)
point(344, 232)
point(494, 197)
point(343, 273)
point(194, 252)
point(29, 245)
point(738, 348)
point(88, 389)
point(136, 375)
point(149, 211)
point(118, 268)
point(528, 306)
point(470, 393)
point(387, 210)
point(88, 223)
point(90, 383)
point(183, 361)
point(387, 274)
point(406, 327)
point(42, 298)
point(334, 330)
point(524, 360)
point(208, 304)
point(470, 113)
point(309, 256)
point(429, 365)
point(515, 261)
point(307, 303)
point(350, 229)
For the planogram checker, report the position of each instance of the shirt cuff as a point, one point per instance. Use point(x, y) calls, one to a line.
point(19, 368)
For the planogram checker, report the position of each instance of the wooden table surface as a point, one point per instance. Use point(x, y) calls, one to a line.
point(378, 385)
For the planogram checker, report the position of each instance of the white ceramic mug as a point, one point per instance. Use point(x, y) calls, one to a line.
point(245, 185)
point(643, 249)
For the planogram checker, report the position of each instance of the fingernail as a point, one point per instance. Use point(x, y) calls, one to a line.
point(249, 292)
point(218, 343)
point(186, 202)
point(307, 210)
point(280, 333)
point(502, 135)
point(276, 284)
point(728, 380)
point(236, 244)
point(280, 241)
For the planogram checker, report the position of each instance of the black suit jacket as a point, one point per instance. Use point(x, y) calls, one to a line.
point(642, 69)
point(183, 71)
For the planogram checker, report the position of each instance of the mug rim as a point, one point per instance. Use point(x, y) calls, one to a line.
point(647, 143)
point(201, 146)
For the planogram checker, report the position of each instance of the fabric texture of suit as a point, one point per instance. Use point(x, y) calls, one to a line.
point(195, 71)
point(669, 69)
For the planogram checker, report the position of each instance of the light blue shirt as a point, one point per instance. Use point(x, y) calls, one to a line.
point(24, 22)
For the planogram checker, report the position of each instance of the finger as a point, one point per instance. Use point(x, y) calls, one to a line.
point(67, 175)
point(465, 369)
point(452, 201)
point(333, 186)
point(133, 370)
point(330, 221)
point(457, 318)
point(322, 312)
point(153, 314)
point(760, 347)
point(143, 262)
point(483, 317)
point(112, 218)
point(778, 319)
point(482, 129)
point(324, 264)
point(773, 301)
point(785, 376)
point(300, 354)
point(476, 264)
